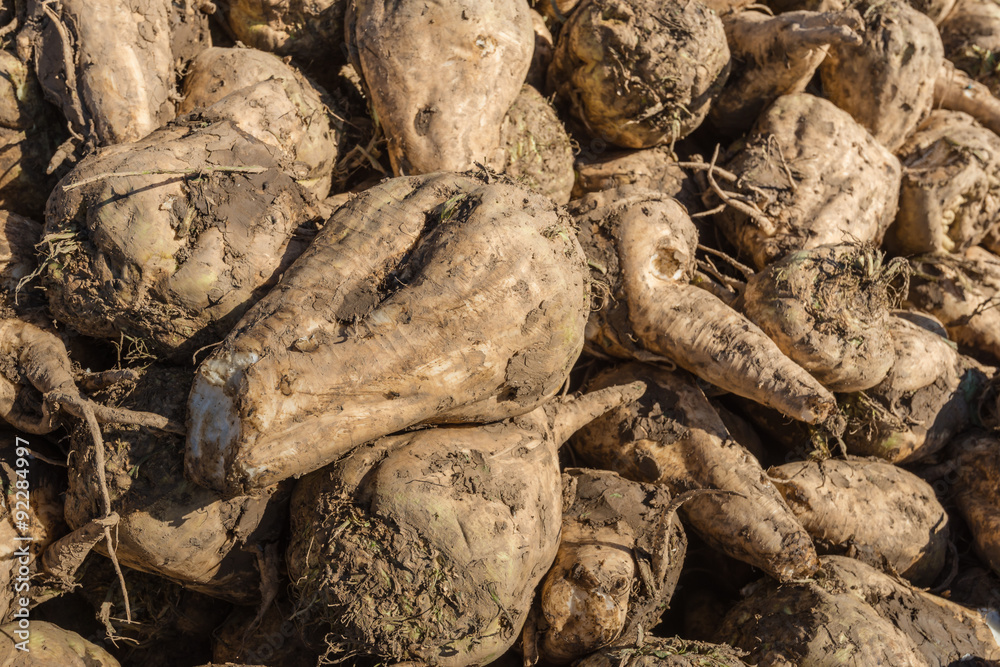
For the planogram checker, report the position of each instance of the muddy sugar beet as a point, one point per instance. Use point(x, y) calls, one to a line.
point(429, 545)
point(438, 298)
point(137, 248)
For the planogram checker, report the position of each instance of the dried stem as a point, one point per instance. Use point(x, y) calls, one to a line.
point(747, 272)
point(732, 199)
point(102, 483)
point(168, 172)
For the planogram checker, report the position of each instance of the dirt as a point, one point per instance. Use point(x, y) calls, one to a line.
point(171, 625)
point(604, 499)
point(171, 527)
point(410, 548)
point(666, 652)
point(912, 414)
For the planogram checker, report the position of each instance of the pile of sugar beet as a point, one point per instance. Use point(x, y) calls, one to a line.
point(468, 332)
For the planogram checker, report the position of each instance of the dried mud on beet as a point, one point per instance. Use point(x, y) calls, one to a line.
point(313, 316)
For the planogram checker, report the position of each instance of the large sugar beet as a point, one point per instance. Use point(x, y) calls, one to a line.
point(827, 308)
point(977, 492)
point(310, 31)
point(172, 238)
point(440, 76)
point(429, 545)
point(961, 290)
point(926, 399)
point(853, 614)
point(774, 56)
point(886, 81)
point(443, 298)
point(29, 136)
point(48, 645)
point(827, 181)
point(869, 507)
point(619, 558)
point(534, 148)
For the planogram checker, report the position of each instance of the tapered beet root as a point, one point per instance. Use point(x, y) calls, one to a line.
point(641, 246)
point(110, 66)
point(672, 436)
point(441, 298)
